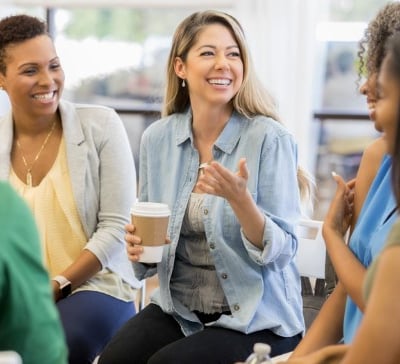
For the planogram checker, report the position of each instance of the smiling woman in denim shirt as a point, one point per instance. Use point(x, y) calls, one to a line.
point(228, 170)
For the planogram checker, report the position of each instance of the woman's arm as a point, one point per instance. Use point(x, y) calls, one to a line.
point(104, 213)
point(369, 165)
point(377, 340)
point(327, 328)
point(268, 213)
point(337, 221)
point(116, 191)
point(83, 268)
point(347, 267)
point(219, 181)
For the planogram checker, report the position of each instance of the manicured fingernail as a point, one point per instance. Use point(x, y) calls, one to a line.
point(334, 174)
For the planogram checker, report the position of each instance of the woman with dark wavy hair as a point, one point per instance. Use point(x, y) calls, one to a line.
point(378, 337)
point(373, 212)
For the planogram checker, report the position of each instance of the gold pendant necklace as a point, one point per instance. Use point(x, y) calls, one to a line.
point(29, 169)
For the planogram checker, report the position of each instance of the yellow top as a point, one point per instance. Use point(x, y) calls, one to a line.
point(60, 227)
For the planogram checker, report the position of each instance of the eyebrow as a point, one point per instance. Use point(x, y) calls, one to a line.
point(29, 64)
point(214, 47)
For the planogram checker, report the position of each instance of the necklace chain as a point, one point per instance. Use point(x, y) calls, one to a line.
point(29, 169)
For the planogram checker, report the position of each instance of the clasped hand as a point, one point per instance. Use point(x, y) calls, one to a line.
point(340, 213)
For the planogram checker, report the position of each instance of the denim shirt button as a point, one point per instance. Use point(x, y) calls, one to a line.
point(224, 276)
point(236, 307)
point(205, 212)
point(212, 246)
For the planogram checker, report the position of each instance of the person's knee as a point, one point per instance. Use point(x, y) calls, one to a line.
point(169, 355)
point(159, 358)
point(81, 348)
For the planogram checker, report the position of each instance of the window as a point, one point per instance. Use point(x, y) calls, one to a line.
point(342, 141)
point(117, 57)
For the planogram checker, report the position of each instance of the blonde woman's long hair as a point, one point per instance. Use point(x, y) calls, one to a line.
point(252, 99)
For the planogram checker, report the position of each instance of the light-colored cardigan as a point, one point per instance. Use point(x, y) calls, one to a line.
point(103, 178)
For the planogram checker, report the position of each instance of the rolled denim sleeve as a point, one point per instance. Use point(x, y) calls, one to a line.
point(278, 198)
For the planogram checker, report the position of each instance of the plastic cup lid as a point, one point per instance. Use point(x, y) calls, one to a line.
point(152, 209)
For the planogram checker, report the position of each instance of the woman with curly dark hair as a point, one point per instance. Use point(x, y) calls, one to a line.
point(377, 339)
point(371, 53)
point(373, 211)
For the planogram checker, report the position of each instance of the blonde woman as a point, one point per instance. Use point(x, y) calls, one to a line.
point(228, 170)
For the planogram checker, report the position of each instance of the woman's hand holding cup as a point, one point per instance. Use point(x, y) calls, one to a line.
point(133, 243)
point(146, 235)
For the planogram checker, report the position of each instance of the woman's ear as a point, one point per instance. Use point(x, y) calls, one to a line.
point(179, 68)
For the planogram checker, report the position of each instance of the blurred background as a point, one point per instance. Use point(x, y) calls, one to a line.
point(305, 52)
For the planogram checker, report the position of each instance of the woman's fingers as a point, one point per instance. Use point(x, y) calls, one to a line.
point(242, 169)
point(351, 183)
point(134, 251)
point(129, 228)
point(339, 180)
point(133, 243)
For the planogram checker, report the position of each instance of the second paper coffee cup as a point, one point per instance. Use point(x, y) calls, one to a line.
point(151, 223)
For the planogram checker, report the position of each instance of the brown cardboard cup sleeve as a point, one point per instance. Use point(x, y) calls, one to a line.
point(151, 223)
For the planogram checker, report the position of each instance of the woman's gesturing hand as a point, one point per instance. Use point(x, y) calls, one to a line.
point(220, 181)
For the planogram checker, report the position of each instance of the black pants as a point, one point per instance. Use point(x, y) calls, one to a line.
point(154, 337)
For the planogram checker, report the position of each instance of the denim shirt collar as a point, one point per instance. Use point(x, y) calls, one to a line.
point(226, 141)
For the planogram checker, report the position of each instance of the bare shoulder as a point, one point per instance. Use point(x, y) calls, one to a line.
point(370, 162)
point(374, 153)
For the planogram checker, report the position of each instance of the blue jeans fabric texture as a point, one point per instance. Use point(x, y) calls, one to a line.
point(90, 319)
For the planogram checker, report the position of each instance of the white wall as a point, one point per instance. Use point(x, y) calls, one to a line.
point(281, 35)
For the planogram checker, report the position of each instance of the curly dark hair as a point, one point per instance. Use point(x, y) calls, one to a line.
point(393, 68)
point(372, 45)
point(16, 29)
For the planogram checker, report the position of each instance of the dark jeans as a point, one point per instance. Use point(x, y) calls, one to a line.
point(90, 319)
point(154, 337)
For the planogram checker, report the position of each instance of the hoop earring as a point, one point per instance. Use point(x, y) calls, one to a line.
point(183, 83)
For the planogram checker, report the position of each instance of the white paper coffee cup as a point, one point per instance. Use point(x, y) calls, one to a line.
point(151, 223)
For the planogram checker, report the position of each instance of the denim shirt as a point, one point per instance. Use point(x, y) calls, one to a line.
point(262, 287)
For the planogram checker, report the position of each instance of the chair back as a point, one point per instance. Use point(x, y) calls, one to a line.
point(311, 251)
